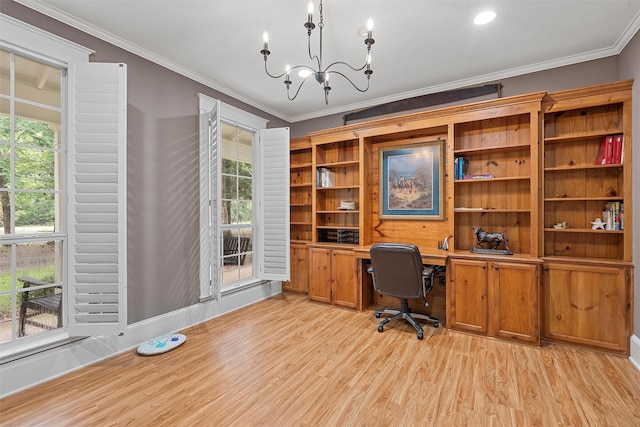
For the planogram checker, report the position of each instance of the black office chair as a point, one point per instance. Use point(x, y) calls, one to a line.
point(397, 271)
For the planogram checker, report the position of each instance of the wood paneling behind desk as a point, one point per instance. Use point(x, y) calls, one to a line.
point(422, 232)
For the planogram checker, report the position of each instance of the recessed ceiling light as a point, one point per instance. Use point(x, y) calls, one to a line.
point(484, 17)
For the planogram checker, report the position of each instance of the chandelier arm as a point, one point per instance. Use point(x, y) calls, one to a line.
point(305, 67)
point(352, 83)
point(298, 90)
point(272, 75)
point(347, 65)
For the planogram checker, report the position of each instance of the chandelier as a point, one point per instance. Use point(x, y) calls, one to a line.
point(317, 69)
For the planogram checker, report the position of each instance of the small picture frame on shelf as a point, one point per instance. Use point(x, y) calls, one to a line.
point(411, 181)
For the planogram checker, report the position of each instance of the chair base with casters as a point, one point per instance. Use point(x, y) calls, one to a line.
point(406, 314)
point(397, 271)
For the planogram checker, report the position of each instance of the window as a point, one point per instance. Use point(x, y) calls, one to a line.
point(244, 200)
point(236, 216)
point(62, 191)
point(32, 231)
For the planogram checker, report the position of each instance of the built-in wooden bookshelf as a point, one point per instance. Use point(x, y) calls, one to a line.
point(576, 187)
point(333, 223)
point(301, 216)
point(532, 172)
point(301, 184)
point(587, 285)
point(497, 191)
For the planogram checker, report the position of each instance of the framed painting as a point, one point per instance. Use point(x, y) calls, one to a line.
point(411, 181)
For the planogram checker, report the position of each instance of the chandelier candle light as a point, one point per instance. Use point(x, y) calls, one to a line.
point(320, 73)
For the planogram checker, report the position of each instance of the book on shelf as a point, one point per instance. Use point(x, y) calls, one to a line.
point(617, 149)
point(460, 166)
point(479, 176)
point(325, 177)
point(611, 150)
point(613, 216)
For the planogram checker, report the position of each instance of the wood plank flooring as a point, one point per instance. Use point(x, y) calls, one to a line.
point(287, 361)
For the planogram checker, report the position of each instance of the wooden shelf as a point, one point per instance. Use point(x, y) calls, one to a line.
point(577, 137)
point(496, 179)
point(336, 227)
point(300, 185)
point(582, 167)
point(588, 261)
point(485, 210)
point(339, 211)
point(582, 230)
point(339, 187)
point(300, 166)
point(584, 199)
point(338, 164)
point(300, 241)
point(489, 149)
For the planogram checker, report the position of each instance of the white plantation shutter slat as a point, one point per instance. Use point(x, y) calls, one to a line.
point(274, 167)
point(97, 276)
point(96, 259)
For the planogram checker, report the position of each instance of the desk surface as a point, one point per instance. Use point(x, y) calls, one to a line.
point(429, 255)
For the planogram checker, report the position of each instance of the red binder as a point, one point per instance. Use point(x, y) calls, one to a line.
point(605, 155)
point(617, 149)
point(608, 149)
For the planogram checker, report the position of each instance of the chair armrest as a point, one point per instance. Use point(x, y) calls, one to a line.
point(427, 271)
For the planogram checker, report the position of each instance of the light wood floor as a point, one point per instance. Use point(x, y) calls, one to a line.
point(290, 362)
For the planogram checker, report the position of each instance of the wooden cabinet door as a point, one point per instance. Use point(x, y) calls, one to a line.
point(299, 269)
point(345, 289)
point(320, 274)
point(513, 295)
point(587, 305)
point(467, 296)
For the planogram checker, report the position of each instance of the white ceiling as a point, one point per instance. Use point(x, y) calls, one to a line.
point(422, 46)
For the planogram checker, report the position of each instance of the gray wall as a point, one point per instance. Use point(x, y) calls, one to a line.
point(630, 69)
point(162, 186)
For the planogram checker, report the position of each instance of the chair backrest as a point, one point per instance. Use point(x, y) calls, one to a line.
point(397, 270)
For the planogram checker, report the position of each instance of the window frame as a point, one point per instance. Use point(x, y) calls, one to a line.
point(33, 43)
point(253, 225)
point(59, 191)
point(212, 113)
point(39, 45)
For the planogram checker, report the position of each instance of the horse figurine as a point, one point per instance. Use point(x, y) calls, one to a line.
point(490, 242)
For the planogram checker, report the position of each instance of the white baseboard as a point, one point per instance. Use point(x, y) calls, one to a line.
point(37, 368)
point(635, 351)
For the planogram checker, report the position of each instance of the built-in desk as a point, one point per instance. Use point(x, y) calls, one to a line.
point(430, 256)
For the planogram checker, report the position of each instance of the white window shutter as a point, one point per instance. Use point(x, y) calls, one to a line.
point(97, 183)
point(216, 199)
point(274, 183)
point(209, 129)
